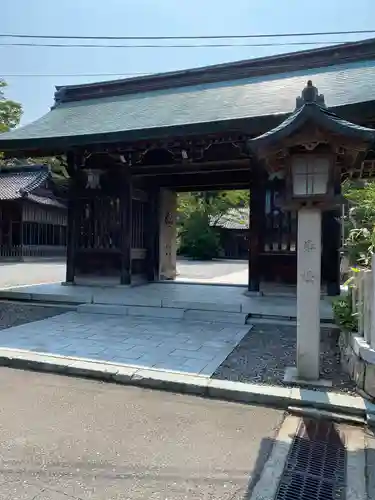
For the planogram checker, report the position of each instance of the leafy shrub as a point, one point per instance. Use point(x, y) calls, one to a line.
point(359, 223)
point(199, 240)
point(343, 313)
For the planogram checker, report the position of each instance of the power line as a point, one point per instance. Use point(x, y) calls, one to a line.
point(200, 37)
point(67, 75)
point(288, 66)
point(174, 46)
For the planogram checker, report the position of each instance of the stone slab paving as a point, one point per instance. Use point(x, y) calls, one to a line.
point(190, 347)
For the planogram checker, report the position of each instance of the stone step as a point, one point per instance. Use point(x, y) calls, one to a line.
point(215, 317)
point(165, 312)
point(119, 310)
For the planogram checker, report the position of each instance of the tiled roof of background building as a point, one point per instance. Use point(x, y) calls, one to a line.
point(24, 182)
point(235, 218)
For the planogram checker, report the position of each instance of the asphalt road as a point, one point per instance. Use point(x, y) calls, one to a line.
point(64, 438)
point(30, 273)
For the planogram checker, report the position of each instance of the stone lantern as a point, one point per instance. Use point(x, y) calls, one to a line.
point(311, 148)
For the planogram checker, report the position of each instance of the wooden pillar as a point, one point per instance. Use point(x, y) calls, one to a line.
point(331, 236)
point(331, 240)
point(21, 228)
point(152, 234)
point(257, 226)
point(71, 243)
point(126, 219)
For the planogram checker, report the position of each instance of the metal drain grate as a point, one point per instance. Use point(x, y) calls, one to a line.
point(316, 465)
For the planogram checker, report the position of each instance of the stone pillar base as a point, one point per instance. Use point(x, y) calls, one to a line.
point(291, 377)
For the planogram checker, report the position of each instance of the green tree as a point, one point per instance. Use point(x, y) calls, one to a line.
point(359, 222)
point(214, 204)
point(10, 111)
point(10, 116)
point(199, 213)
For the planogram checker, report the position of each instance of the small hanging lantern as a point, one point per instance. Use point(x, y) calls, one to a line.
point(93, 179)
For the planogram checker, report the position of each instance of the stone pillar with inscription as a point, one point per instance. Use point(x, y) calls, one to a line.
point(308, 293)
point(308, 146)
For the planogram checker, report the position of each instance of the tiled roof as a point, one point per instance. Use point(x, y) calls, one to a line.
point(159, 113)
point(43, 200)
point(235, 218)
point(312, 112)
point(17, 182)
point(25, 182)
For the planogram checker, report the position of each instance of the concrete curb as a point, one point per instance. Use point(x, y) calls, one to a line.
point(280, 397)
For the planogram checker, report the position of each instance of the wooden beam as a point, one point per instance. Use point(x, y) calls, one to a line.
point(331, 229)
point(72, 229)
point(256, 227)
point(152, 235)
point(213, 187)
point(193, 182)
point(190, 168)
point(126, 218)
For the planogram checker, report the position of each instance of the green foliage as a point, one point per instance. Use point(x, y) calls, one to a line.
point(343, 313)
point(198, 213)
point(10, 111)
point(213, 203)
point(359, 224)
point(199, 240)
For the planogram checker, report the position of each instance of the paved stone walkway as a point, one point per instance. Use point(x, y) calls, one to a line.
point(190, 347)
point(54, 271)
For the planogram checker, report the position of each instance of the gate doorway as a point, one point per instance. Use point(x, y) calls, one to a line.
point(212, 231)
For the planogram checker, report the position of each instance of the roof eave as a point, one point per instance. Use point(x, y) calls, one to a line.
point(252, 126)
point(311, 112)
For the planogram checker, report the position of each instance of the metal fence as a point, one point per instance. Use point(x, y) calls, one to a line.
point(18, 252)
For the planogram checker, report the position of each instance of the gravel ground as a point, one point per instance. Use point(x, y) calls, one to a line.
point(264, 353)
point(14, 314)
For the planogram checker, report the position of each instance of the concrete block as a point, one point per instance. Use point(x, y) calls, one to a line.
point(326, 415)
point(29, 360)
point(202, 306)
point(351, 364)
point(369, 384)
point(366, 352)
point(124, 374)
point(249, 393)
point(359, 372)
point(55, 297)
point(14, 294)
point(370, 419)
point(117, 310)
point(215, 317)
point(340, 403)
point(155, 312)
point(101, 371)
point(171, 381)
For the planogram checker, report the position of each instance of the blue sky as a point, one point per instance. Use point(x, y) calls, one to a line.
point(152, 18)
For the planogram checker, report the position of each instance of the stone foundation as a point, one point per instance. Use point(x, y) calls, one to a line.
point(358, 360)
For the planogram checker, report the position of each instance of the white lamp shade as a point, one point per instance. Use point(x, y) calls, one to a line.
point(310, 175)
